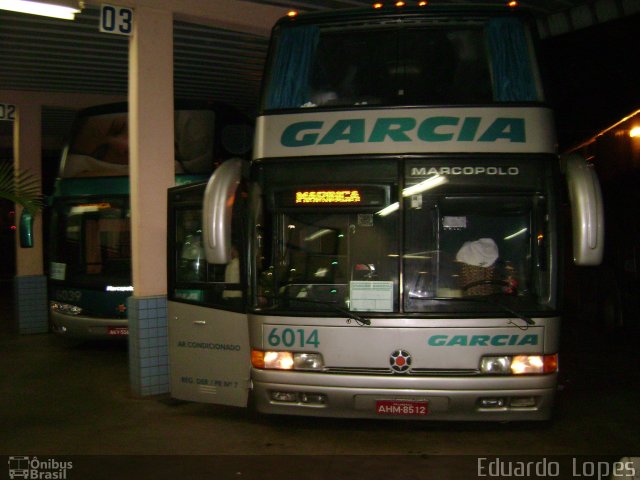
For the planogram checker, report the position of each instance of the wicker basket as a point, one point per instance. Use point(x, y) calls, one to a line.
point(471, 273)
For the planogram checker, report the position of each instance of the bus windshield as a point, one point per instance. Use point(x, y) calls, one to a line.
point(411, 62)
point(438, 249)
point(91, 242)
point(460, 246)
point(324, 256)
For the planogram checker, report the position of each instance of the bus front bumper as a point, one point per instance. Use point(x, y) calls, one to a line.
point(79, 326)
point(474, 398)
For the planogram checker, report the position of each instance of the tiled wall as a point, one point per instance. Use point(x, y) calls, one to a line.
point(30, 300)
point(148, 350)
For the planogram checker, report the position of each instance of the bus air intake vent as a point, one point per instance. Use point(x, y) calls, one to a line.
point(415, 372)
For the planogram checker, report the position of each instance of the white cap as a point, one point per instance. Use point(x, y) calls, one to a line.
point(480, 253)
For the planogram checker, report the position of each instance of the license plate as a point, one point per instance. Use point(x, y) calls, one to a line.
point(401, 407)
point(118, 331)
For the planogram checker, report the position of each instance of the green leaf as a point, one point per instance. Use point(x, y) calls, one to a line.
point(22, 188)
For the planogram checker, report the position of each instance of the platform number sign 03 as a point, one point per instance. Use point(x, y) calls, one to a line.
point(117, 20)
point(7, 112)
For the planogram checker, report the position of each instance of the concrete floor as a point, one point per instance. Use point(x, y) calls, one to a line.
point(60, 400)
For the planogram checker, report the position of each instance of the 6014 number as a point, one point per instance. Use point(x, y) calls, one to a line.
point(290, 337)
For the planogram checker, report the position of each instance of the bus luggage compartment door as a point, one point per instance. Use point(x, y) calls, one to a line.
point(209, 355)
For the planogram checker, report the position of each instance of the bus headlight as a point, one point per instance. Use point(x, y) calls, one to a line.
point(286, 360)
point(65, 308)
point(527, 364)
point(519, 364)
point(495, 365)
point(307, 361)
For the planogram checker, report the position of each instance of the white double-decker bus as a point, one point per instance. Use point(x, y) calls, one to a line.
point(393, 249)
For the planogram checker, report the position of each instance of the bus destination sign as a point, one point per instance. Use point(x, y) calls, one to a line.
point(346, 196)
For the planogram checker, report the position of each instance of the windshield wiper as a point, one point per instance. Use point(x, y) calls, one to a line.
point(485, 300)
point(360, 320)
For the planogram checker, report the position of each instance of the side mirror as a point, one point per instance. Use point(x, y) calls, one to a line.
point(587, 211)
point(26, 229)
point(219, 197)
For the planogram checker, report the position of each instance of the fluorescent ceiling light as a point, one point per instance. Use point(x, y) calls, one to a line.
point(388, 210)
point(513, 235)
point(318, 234)
point(64, 9)
point(428, 184)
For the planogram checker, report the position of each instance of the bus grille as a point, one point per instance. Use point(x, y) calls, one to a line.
point(415, 372)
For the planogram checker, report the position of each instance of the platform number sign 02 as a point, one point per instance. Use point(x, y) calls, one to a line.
point(117, 20)
point(7, 112)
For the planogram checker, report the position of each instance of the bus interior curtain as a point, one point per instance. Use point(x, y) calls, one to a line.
point(512, 74)
point(290, 76)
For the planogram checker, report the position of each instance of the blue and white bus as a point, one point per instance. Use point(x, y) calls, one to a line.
point(398, 227)
point(90, 239)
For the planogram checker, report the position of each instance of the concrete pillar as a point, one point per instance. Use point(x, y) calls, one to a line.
point(30, 286)
point(151, 158)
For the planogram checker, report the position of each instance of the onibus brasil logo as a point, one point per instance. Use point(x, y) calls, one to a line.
point(37, 469)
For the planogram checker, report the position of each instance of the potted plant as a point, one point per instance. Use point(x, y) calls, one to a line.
point(22, 188)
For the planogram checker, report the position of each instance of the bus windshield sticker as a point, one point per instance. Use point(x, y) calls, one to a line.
point(368, 296)
point(57, 271)
point(365, 220)
point(454, 223)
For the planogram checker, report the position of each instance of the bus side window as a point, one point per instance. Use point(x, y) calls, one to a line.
point(193, 277)
point(93, 253)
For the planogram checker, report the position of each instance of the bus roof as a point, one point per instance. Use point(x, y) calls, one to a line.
point(391, 12)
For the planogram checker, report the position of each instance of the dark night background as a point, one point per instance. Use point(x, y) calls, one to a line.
point(592, 77)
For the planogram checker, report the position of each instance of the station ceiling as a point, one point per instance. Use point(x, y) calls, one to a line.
point(49, 55)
